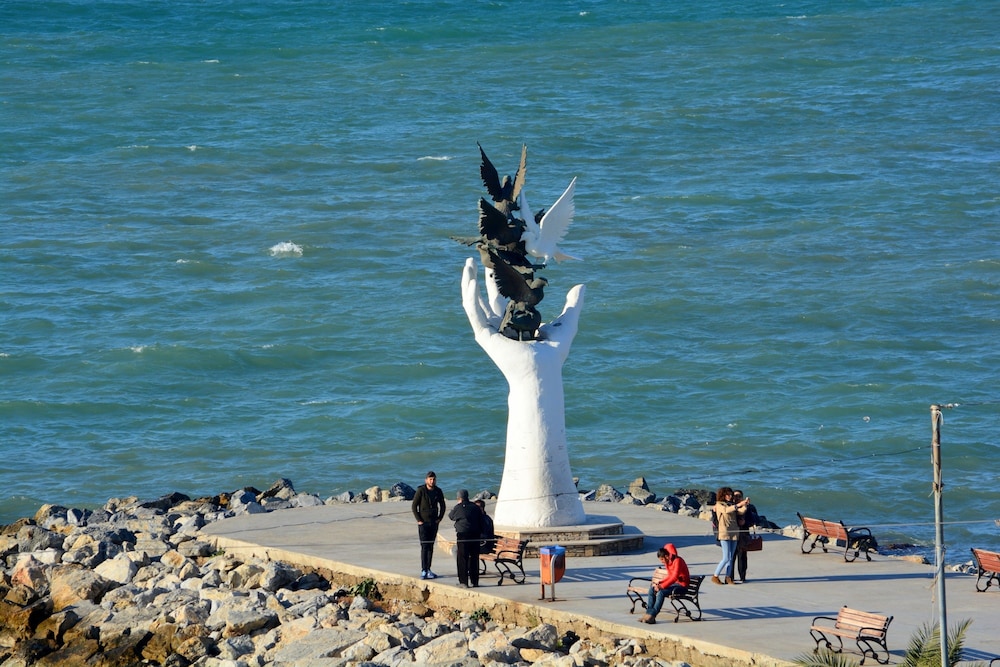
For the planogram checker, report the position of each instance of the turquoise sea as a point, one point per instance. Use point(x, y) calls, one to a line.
point(226, 253)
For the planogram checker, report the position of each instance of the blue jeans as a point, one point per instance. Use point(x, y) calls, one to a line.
point(725, 566)
point(657, 596)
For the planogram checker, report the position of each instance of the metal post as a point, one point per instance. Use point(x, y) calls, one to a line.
point(939, 531)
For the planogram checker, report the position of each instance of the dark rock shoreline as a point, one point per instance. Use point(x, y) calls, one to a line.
point(134, 582)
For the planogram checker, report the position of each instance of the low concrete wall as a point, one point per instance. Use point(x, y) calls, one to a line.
point(441, 596)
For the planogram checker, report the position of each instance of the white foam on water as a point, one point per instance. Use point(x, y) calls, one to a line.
point(286, 249)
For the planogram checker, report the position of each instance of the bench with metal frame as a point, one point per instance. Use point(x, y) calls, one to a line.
point(988, 565)
point(867, 629)
point(822, 532)
point(507, 554)
point(638, 589)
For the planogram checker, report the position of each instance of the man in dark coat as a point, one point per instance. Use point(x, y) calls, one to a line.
point(468, 520)
point(428, 508)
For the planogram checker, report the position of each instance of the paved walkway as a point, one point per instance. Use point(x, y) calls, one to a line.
point(762, 622)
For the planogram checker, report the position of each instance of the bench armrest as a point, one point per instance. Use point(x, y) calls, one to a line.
point(824, 618)
point(872, 631)
point(632, 581)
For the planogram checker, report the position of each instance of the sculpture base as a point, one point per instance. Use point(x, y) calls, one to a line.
point(599, 536)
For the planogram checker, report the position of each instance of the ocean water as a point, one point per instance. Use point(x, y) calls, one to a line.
point(226, 253)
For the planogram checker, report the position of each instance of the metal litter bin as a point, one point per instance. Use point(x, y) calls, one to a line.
point(552, 566)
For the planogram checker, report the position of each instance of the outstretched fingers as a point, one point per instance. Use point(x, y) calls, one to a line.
point(563, 328)
point(471, 300)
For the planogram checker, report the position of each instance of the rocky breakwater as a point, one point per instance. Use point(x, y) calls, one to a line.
point(134, 583)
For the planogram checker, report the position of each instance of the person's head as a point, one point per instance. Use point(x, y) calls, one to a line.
point(462, 495)
point(724, 495)
point(737, 495)
point(481, 504)
point(667, 553)
point(431, 479)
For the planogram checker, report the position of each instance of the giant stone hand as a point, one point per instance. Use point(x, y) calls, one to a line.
point(537, 488)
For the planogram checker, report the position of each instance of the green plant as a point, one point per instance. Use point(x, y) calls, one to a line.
point(925, 645)
point(480, 615)
point(367, 588)
point(924, 650)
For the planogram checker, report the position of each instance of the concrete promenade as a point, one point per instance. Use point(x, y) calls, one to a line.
point(762, 622)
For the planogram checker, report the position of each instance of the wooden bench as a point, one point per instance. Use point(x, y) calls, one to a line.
point(638, 590)
point(988, 563)
point(866, 629)
point(821, 532)
point(507, 554)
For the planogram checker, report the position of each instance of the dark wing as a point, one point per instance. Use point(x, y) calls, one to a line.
point(491, 179)
point(493, 225)
point(511, 283)
point(517, 260)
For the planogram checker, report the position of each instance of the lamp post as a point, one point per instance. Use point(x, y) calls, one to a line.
point(936, 420)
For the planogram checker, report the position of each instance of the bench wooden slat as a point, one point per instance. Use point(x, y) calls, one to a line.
point(988, 565)
point(867, 629)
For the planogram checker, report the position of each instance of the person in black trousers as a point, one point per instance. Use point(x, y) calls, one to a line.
point(428, 507)
point(468, 520)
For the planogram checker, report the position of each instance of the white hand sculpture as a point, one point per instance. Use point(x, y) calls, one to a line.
point(537, 489)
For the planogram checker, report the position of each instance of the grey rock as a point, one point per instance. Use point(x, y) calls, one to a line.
point(233, 648)
point(276, 575)
point(494, 646)
point(164, 503)
point(282, 489)
point(321, 643)
point(119, 569)
point(394, 657)
point(306, 500)
point(608, 494)
point(434, 629)
point(249, 508)
point(402, 490)
point(379, 641)
point(543, 636)
point(274, 504)
point(448, 648)
point(671, 504)
point(361, 603)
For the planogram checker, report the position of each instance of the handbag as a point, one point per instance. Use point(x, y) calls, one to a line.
point(755, 543)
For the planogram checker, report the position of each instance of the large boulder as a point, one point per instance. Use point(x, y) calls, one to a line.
point(71, 584)
point(449, 648)
point(321, 643)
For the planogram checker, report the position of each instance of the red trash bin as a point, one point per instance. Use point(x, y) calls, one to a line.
point(552, 566)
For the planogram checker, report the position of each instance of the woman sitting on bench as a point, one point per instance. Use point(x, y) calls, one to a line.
point(674, 582)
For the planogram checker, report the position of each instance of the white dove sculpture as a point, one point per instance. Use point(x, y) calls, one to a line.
point(542, 238)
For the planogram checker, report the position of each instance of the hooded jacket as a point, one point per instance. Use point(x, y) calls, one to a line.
point(677, 569)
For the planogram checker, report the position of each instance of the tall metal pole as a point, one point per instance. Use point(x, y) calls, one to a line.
point(939, 531)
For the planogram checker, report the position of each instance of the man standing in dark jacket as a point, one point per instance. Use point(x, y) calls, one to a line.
point(468, 520)
point(428, 508)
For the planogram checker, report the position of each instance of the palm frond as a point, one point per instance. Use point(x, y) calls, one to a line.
point(825, 658)
point(924, 649)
